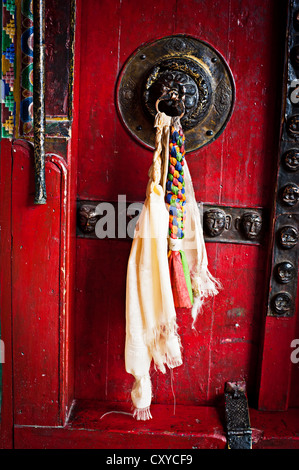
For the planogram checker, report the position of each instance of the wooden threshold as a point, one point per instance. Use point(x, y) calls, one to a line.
point(110, 425)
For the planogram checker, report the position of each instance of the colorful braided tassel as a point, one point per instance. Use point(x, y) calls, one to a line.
point(175, 201)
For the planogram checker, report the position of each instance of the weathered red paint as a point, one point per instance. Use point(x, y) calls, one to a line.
point(35, 292)
point(6, 424)
point(238, 169)
point(274, 395)
point(76, 349)
point(186, 427)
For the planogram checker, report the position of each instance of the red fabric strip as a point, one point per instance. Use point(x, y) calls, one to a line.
point(180, 291)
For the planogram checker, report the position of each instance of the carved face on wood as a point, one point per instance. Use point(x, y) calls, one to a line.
point(87, 218)
point(214, 222)
point(251, 224)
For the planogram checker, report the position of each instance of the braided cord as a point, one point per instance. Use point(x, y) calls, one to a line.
point(175, 185)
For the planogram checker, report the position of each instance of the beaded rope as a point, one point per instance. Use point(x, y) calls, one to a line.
point(175, 185)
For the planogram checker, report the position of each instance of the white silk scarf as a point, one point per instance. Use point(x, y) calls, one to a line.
point(151, 327)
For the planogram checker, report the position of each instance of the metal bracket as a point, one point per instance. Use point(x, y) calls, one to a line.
point(239, 434)
point(221, 224)
point(39, 100)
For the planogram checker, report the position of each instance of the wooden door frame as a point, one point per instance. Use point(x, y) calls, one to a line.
point(280, 329)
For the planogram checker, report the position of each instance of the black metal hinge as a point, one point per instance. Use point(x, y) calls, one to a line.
point(239, 434)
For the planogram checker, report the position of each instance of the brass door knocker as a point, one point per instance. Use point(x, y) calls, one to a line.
point(181, 76)
point(173, 102)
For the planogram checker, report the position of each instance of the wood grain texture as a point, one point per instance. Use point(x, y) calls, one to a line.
point(66, 330)
point(274, 394)
point(237, 169)
point(35, 292)
point(6, 422)
point(190, 427)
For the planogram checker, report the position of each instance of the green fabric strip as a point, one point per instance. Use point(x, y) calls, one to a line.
point(187, 275)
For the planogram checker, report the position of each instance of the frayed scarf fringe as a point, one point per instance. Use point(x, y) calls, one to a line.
point(142, 414)
point(204, 285)
point(173, 362)
point(164, 330)
point(159, 336)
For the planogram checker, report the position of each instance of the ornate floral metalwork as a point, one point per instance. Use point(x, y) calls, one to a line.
point(128, 95)
point(180, 44)
point(179, 62)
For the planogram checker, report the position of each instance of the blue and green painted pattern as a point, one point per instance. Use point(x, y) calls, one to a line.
point(26, 104)
point(8, 105)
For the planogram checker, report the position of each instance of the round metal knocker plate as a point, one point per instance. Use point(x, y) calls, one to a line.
point(185, 62)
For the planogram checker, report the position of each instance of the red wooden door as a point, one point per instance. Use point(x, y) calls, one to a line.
point(64, 289)
point(238, 169)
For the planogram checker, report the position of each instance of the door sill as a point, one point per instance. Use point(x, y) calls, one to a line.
point(110, 425)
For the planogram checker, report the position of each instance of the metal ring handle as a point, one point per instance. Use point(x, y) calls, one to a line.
point(163, 99)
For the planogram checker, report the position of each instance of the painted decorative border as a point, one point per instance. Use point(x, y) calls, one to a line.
point(8, 103)
point(17, 72)
point(26, 84)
